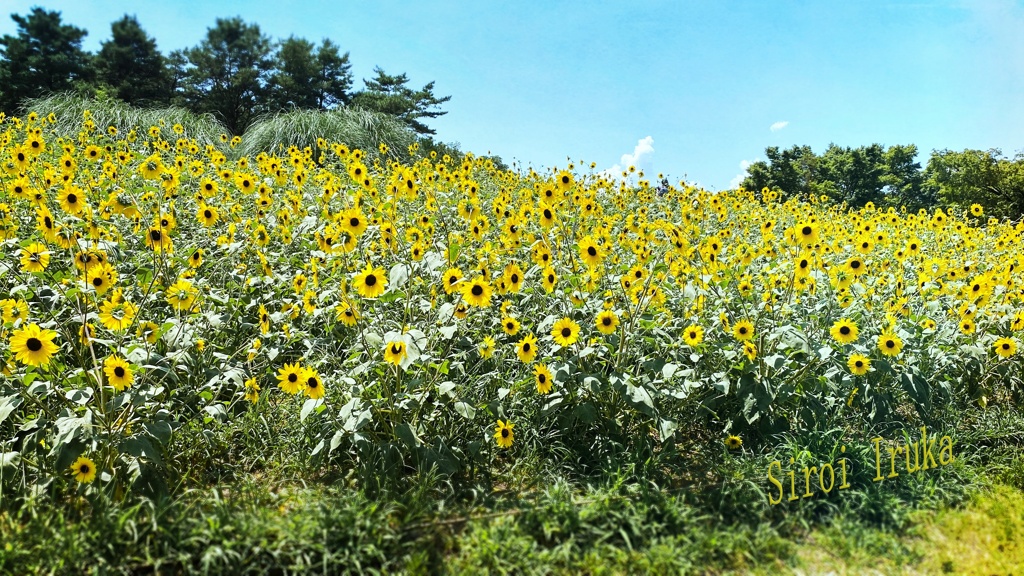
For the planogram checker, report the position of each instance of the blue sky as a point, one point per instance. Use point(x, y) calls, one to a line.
point(690, 89)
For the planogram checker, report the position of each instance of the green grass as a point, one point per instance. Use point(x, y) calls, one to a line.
point(250, 503)
point(69, 110)
point(354, 127)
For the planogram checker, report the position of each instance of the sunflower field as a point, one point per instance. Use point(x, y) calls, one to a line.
point(435, 313)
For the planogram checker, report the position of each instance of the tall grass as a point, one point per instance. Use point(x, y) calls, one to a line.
point(69, 109)
point(354, 127)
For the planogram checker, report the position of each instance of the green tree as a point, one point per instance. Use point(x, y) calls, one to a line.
point(227, 73)
point(791, 172)
point(306, 79)
point(985, 177)
point(130, 64)
point(856, 176)
point(391, 95)
point(45, 56)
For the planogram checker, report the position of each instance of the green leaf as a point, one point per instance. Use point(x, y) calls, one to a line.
point(465, 410)
point(7, 406)
point(406, 434)
point(9, 459)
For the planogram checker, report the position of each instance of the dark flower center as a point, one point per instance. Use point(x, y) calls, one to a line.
point(396, 349)
point(72, 199)
point(845, 330)
point(591, 251)
point(34, 344)
point(155, 235)
point(526, 347)
point(371, 280)
point(504, 432)
point(97, 282)
point(891, 344)
point(84, 469)
point(354, 222)
point(119, 372)
point(477, 290)
point(293, 377)
point(566, 332)
point(606, 321)
point(515, 278)
point(312, 383)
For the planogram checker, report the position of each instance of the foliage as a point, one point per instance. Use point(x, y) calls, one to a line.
point(227, 73)
point(69, 110)
point(856, 176)
point(420, 313)
point(390, 94)
point(46, 56)
point(307, 80)
point(132, 66)
point(979, 177)
point(354, 127)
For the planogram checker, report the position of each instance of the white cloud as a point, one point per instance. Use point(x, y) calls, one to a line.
point(779, 125)
point(639, 158)
point(735, 182)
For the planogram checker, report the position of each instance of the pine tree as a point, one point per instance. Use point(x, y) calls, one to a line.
point(130, 64)
point(46, 56)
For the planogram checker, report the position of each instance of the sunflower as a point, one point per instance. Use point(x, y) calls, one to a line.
point(844, 331)
point(477, 292)
point(450, 280)
point(503, 434)
point(207, 215)
point(607, 321)
point(84, 470)
point(35, 258)
point(590, 252)
point(693, 335)
point(101, 277)
point(119, 373)
point(148, 331)
point(749, 350)
point(196, 259)
point(543, 377)
point(264, 320)
point(858, 364)
point(314, 385)
point(72, 199)
point(855, 266)
point(181, 295)
point(32, 345)
point(733, 442)
point(513, 277)
point(549, 280)
point(371, 282)
point(394, 352)
point(510, 325)
point(486, 347)
point(346, 313)
point(527, 348)
point(117, 314)
point(1005, 347)
point(157, 239)
point(565, 332)
point(890, 344)
point(806, 233)
point(289, 378)
point(743, 330)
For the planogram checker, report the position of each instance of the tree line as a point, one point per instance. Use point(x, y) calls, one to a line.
point(236, 72)
point(890, 176)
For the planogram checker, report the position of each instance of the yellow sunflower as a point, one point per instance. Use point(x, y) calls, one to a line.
point(394, 352)
point(527, 348)
point(84, 470)
point(543, 377)
point(844, 331)
point(607, 321)
point(371, 282)
point(289, 378)
point(503, 434)
point(118, 372)
point(565, 332)
point(858, 364)
point(32, 345)
point(477, 292)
